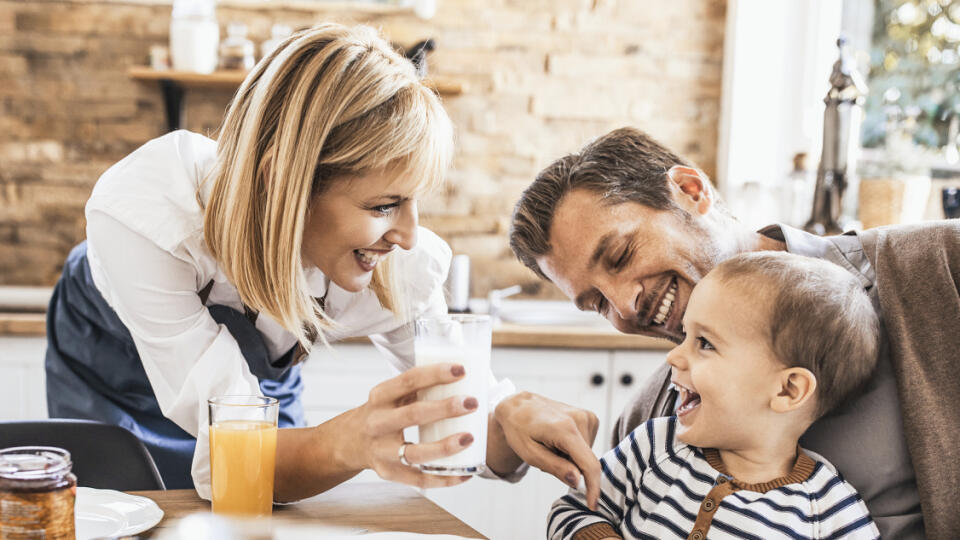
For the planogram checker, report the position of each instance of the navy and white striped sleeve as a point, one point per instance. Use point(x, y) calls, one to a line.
point(841, 513)
point(621, 468)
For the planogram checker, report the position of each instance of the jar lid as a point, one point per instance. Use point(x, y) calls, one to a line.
point(34, 462)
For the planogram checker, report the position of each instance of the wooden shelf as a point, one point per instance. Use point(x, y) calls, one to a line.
point(311, 6)
point(174, 84)
point(232, 79)
point(218, 79)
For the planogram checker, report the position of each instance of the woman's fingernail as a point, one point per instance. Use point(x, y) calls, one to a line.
point(466, 439)
point(470, 403)
point(457, 370)
point(571, 479)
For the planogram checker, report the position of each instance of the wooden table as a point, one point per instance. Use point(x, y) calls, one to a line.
point(374, 506)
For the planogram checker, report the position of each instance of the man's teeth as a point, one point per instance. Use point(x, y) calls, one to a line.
point(665, 306)
point(368, 257)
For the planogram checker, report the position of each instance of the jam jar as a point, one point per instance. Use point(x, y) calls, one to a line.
point(37, 492)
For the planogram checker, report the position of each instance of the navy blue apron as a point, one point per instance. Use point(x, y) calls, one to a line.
point(94, 371)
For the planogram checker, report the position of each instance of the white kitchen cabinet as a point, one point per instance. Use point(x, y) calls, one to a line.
point(501, 510)
point(629, 373)
point(340, 378)
point(23, 393)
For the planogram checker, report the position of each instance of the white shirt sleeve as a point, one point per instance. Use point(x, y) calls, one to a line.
point(187, 356)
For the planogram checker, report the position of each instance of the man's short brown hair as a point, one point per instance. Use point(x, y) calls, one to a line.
point(621, 166)
point(820, 318)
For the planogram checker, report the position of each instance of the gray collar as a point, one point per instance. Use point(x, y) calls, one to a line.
point(845, 250)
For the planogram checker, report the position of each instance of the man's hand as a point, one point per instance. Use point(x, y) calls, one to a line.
point(549, 435)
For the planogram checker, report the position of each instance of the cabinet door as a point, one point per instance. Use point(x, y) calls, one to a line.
point(630, 372)
point(340, 378)
point(498, 509)
point(23, 393)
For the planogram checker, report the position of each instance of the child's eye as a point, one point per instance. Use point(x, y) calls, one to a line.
point(704, 345)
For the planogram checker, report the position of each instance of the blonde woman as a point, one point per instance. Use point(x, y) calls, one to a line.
point(212, 267)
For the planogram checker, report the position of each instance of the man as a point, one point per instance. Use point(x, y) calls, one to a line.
point(627, 228)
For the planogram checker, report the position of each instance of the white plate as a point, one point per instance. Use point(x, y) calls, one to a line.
point(107, 513)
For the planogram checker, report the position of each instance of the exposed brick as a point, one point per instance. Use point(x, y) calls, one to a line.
point(12, 65)
point(8, 19)
point(543, 77)
point(8, 233)
point(594, 102)
point(480, 245)
point(459, 225)
point(31, 151)
point(30, 265)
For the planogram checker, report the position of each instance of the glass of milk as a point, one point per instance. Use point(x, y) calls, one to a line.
point(465, 340)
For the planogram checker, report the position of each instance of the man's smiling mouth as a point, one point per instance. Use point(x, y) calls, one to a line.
point(666, 305)
point(661, 312)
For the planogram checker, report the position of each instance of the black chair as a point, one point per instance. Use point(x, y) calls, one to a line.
point(104, 456)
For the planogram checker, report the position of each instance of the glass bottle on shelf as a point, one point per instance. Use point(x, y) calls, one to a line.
point(236, 51)
point(797, 194)
point(278, 33)
point(194, 35)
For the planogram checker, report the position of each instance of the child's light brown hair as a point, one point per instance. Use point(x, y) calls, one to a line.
point(820, 318)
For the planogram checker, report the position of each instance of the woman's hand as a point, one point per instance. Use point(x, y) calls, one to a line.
point(377, 426)
point(549, 435)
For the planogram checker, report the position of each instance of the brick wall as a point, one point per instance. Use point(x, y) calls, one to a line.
point(543, 77)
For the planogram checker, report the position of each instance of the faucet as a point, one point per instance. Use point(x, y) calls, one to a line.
point(494, 298)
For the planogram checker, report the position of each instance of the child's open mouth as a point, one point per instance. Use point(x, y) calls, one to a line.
point(689, 401)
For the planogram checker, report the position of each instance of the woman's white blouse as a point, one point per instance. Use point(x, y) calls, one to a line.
point(148, 259)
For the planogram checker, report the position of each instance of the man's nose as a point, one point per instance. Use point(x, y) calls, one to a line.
point(623, 296)
point(404, 230)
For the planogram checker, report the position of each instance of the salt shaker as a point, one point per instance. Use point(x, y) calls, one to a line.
point(458, 284)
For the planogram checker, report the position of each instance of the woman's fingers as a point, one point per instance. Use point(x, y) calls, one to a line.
point(426, 452)
point(422, 412)
point(414, 379)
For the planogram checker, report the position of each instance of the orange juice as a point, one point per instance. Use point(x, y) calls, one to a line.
point(242, 455)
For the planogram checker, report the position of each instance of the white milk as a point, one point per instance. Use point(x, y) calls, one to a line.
point(476, 362)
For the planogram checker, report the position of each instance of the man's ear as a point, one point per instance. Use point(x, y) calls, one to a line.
point(797, 388)
point(691, 189)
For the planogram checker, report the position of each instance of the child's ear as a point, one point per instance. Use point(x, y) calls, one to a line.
point(797, 387)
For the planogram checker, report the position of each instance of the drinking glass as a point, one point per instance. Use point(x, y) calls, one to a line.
point(465, 340)
point(243, 449)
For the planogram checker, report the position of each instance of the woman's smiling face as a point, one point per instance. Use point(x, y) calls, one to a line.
point(356, 222)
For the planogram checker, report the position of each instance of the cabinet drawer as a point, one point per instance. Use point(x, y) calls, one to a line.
point(340, 378)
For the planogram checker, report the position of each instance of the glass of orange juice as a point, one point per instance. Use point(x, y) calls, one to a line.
point(243, 449)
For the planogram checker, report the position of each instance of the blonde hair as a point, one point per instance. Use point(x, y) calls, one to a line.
point(330, 102)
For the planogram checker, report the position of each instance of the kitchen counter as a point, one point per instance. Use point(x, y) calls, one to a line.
point(506, 335)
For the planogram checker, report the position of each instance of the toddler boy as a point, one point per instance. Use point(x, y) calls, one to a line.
point(773, 342)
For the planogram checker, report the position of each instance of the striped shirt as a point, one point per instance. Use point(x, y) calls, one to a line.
point(655, 487)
